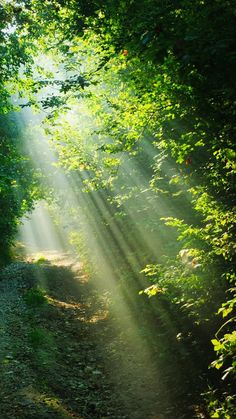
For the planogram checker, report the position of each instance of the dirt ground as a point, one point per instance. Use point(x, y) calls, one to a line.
point(69, 349)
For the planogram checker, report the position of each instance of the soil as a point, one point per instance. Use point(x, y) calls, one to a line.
point(72, 349)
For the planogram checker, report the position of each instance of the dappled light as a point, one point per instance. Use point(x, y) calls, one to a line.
point(105, 354)
point(117, 210)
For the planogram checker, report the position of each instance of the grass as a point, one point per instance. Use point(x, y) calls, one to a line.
point(35, 297)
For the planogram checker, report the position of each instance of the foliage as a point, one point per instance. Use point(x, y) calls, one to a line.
point(18, 184)
point(220, 409)
point(154, 149)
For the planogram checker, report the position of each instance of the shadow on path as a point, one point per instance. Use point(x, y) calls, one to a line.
point(71, 351)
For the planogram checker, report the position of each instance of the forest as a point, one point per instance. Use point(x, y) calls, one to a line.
point(117, 209)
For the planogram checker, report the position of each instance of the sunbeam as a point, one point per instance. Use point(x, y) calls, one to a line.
point(53, 233)
point(117, 209)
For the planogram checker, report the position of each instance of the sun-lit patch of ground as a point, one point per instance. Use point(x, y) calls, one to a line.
point(55, 258)
point(30, 396)
point(82, 309)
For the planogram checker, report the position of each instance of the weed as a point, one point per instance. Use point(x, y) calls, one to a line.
point(41, 259)
point(35, 297)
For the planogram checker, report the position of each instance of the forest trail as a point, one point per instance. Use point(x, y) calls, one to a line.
point(66, 351)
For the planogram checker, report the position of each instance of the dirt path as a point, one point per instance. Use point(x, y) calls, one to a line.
point(69, 350)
